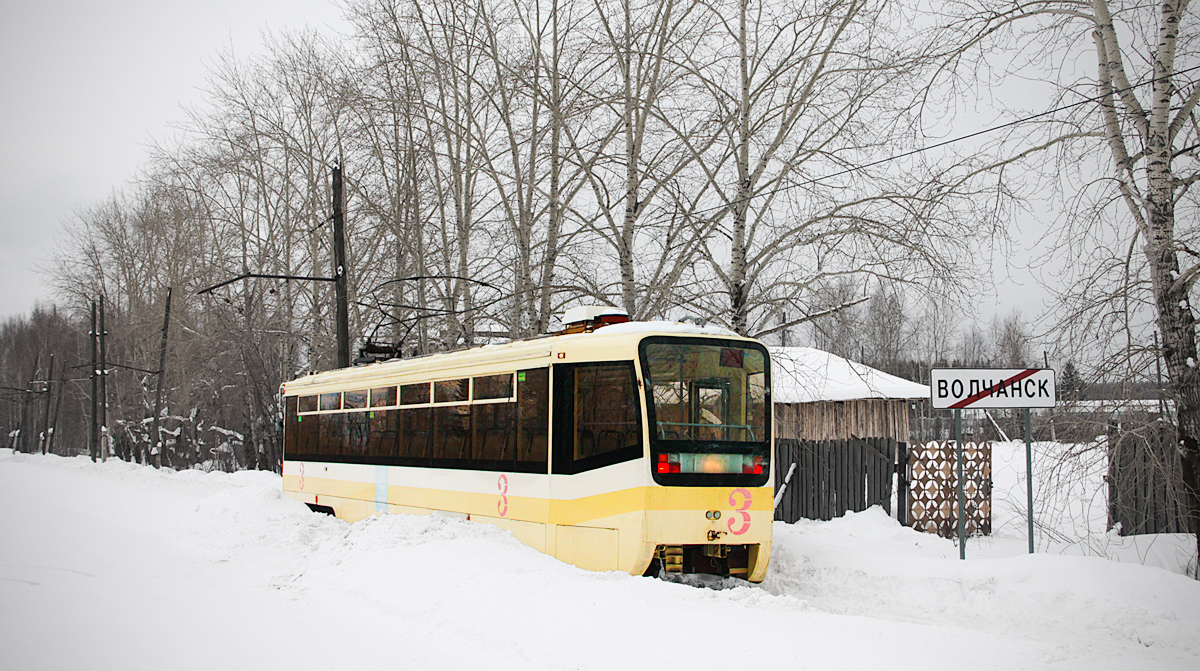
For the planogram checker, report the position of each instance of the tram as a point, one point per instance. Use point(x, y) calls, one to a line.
point(642, 447)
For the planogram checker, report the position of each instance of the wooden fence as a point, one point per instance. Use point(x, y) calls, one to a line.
point(1145, 490)
point(832, 477)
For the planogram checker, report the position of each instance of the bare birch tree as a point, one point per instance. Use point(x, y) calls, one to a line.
point(1130, 233)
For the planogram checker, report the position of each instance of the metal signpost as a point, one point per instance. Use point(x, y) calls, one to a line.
point(969, 388)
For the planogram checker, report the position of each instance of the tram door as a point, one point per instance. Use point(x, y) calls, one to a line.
point(597, 423)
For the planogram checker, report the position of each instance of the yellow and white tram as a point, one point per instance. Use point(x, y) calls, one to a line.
point(636, 447)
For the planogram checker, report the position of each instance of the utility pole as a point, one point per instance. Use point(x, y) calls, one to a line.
point(23, 432)
point(339, 274)
point(45, 436)
point(92, 428)
point(103, 373)
point(340, 277)
point(57, 408)
point(155, 436)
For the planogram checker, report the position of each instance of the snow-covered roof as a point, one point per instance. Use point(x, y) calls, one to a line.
point(807, 375)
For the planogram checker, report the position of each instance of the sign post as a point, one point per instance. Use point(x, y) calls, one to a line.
point(969, 388)
point(1029, 476)
point(962, 507)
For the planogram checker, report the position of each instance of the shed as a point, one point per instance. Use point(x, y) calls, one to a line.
point(820, 396)
point(841, 428)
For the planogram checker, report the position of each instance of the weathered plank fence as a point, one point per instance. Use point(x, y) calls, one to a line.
point(834, 476)
point(1145, 486)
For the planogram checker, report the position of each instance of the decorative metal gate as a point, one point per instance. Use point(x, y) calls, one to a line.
point(933, 488)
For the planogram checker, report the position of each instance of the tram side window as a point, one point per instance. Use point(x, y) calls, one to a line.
point(308, 403)
point(291, 425)
point(413, 394)
point(308, 437)
point(598, 421)
point(384, 433)
point(331, 401)
point(332, 433)
point(355, 425)
point(355, 399)
point(493, 386)
point(450, 391)
point(495, 432)
point(533, 415)
point(383, 397)
point(416, 430)
point(452, 432)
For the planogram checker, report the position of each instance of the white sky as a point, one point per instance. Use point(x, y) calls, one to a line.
point(85, 87)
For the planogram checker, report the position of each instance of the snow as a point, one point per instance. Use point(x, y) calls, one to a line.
point(120, 566)
point(667, 327)
point(807, 375)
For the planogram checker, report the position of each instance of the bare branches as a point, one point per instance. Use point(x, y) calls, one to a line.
point(1133, 284)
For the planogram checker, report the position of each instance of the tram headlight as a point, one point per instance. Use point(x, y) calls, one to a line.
point(717, 463)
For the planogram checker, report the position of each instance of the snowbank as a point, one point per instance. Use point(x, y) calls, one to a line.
point(122, 566)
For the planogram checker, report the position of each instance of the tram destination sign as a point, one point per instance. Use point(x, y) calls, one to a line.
point(969, 388)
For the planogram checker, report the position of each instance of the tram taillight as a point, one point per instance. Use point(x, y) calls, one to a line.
point(668, 463)
point(754, 464)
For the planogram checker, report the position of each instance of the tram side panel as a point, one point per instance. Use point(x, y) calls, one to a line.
point(593, 520)
point(513, 501)
point(598, 518)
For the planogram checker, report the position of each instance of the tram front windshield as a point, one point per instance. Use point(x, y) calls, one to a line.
point(708, 405)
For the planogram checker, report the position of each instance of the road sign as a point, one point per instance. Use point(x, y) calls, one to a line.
point(970, 388)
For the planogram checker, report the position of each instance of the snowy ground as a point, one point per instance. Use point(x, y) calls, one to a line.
point(118, 566)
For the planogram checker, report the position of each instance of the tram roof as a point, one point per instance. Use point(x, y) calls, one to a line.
point(517, 350)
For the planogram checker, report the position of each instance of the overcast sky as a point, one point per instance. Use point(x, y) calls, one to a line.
point(85, 87)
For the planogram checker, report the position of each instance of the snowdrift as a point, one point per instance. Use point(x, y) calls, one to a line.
point(115, 565)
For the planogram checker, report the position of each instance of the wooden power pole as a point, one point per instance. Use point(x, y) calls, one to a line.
point(94, 423)
point(57, 408)
point(339, 271)
point(101, 335)
point(23, 441)
point(155, 436)
point(45, 435)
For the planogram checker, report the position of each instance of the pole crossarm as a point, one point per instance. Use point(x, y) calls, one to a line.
point(247, 276)
point(118, 365)
point(140, 370)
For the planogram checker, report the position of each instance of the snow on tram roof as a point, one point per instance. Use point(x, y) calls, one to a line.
point(666, 327)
